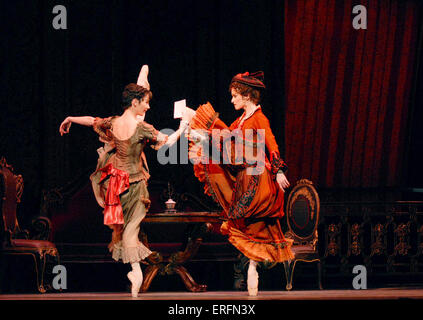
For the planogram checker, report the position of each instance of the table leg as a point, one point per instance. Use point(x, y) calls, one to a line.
point(189, 282)
point(173, 264)
point(150, 274)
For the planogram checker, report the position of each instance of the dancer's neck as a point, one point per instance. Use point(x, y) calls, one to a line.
point(249, 108)
point(129, 115)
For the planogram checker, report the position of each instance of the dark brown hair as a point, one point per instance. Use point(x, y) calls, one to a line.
point(254, 94)
point(134, 91)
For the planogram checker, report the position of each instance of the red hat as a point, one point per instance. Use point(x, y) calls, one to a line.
point(251, 79)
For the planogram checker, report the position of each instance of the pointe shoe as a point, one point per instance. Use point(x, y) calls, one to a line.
point(136, 284)
point(252, 291)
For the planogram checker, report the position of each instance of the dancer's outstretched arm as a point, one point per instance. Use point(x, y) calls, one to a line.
point(182, 127)
point(66, 124)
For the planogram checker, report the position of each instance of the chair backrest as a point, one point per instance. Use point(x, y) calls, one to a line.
point(302, 210)
point(11, 191)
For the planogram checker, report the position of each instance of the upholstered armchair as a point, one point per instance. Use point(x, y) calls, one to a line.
point(302, 212)
point(15, 241)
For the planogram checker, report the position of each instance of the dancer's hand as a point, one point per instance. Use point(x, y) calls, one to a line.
point(65, 126)
point(198, 136)
point(282, 181)
point(188, 115)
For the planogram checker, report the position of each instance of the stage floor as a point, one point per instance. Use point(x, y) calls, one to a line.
point(370, 294)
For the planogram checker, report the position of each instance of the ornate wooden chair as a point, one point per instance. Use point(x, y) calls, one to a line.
point(302, 211)
point(15, 241)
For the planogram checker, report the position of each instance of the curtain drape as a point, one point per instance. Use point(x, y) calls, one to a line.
point(348, 91)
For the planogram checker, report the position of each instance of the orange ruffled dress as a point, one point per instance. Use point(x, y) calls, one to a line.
point(251, 202)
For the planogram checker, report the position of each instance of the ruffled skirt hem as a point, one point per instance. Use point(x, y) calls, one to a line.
point(259, 250)
point(130, 254)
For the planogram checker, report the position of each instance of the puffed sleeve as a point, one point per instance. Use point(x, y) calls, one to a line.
point(276, 162)
point(103, 126)
point(148, 132)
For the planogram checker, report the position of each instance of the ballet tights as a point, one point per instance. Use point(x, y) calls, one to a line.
point(136, 269)
point(252, 279)
point(136, 278)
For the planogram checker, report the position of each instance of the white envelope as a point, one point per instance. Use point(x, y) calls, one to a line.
point(179, 108)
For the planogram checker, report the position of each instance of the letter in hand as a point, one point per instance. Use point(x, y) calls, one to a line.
point(179, 108)
point(65, 126)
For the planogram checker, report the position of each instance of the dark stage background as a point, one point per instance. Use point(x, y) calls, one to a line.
point(344, 104)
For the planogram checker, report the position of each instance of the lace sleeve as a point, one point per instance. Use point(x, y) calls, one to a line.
point(153, 136)
point(102, 127)
point(277, 164)
point(147, 131)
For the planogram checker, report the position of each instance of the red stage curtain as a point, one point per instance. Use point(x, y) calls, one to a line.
point(348, 91)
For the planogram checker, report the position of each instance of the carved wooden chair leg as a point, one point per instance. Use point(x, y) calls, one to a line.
point(189, 282)
point(150, 274)
point(289, 270)
point(51, 260)
point(2, 272)
point(40, 261)
point(319, 270)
